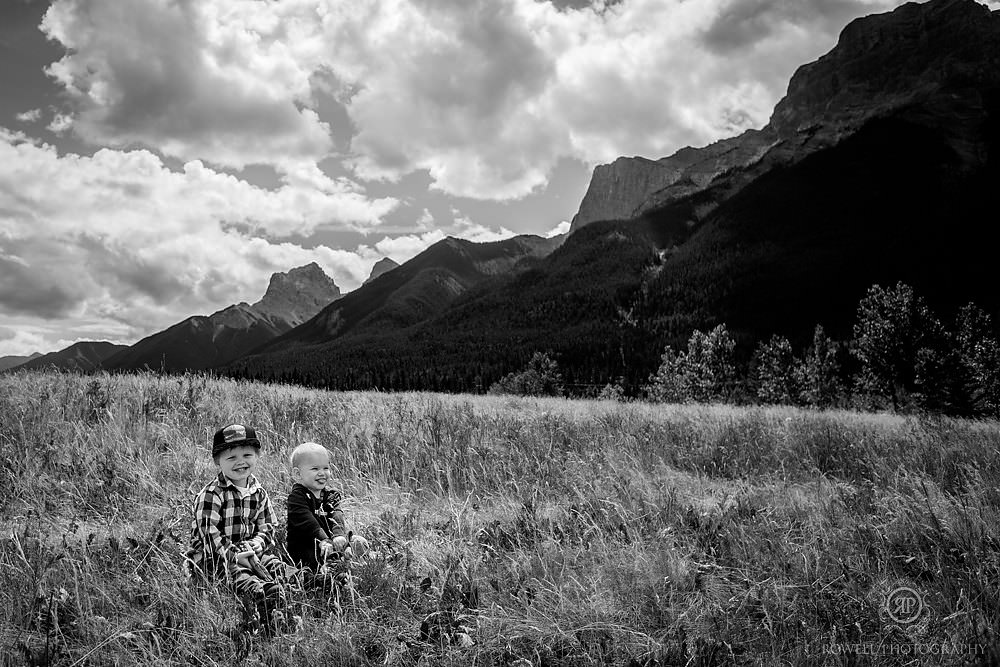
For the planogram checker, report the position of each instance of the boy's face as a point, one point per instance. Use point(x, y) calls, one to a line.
point(236, 463)
point(313, 471)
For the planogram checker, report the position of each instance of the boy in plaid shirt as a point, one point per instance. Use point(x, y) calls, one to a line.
point(233, 525)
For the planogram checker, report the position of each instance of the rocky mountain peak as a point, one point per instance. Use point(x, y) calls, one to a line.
point(297, 295)
point(383, 265)
point(886, 61)
point(939, 54)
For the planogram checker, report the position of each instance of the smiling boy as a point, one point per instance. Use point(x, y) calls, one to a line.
point(315, 519)
point(233, 524)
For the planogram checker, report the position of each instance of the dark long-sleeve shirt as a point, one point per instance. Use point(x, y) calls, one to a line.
point(310, 521)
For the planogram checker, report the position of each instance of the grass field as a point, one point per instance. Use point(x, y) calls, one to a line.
point(575, 532)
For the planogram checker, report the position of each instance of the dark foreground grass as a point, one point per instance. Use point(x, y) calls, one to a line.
point(574, 532)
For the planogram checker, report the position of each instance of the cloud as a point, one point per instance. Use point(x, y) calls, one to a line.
point(485, 95)
point(29, 116)
point(408, 246)
point(61, 123)
point(560, 229)
point(23, 341)
point(120, 237)
point(464, 228)
point(227, 82)
point(426, 220)
point(24, 291)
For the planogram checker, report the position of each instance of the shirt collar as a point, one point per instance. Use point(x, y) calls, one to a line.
point(322, 496)
point(251, 486)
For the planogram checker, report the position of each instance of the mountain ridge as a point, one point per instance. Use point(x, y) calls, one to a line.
point(14, 360)
point(415, 290)
point(83, 356)
point(791, 240)
point(201, 342)
point(923, 46)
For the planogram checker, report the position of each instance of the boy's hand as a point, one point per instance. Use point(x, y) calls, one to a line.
point(244, 557)
point(326, 549)
point(359, 545)
point(340, 543)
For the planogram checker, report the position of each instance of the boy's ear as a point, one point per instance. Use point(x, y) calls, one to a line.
point(296, 473)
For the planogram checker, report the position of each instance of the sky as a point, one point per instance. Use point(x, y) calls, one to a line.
point(161, 158)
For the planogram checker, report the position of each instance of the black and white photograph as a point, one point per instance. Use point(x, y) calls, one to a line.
point(499, 333)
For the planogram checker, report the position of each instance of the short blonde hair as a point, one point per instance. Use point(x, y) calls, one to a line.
point(306, 449)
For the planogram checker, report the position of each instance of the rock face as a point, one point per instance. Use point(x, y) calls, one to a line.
point(937, 55)
point(201, 342)
point(297, 295)
point(382, 266)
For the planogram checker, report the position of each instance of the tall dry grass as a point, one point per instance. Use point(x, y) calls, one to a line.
point(577, 532)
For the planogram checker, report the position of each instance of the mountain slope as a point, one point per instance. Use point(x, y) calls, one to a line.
point(881, 64)
point(904, 190)
point(85, 356)
point(415, 291)
point(485, 329)
point(202, 342)
point(12, 361)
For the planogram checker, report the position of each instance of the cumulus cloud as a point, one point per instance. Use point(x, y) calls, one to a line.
point(224, 81)
point(465, 228)
point(60, 124)
point(29, 116)
point(485, 95)
point(119, 236)
point(560, 229)
point(26, 340)
point(407, 246)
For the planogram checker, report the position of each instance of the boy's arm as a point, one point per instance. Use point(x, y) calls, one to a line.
point(264, 524)
point(208, 516)
point(301, 519)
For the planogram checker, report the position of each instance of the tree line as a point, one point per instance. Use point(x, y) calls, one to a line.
point(901, 356)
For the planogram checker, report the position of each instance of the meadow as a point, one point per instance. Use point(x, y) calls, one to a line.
point(574, 532)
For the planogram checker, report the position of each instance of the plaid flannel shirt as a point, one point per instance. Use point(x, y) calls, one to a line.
point(227, 522)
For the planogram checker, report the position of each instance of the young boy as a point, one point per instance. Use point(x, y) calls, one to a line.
point(315, 520)
point(233, 525)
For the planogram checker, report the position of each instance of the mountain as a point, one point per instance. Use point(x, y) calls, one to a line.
point(382, 266)
point(416, 291)
point(879, 165)
point(13, 361)
point(938, 51)
point(84, 357)
point(202, 342)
